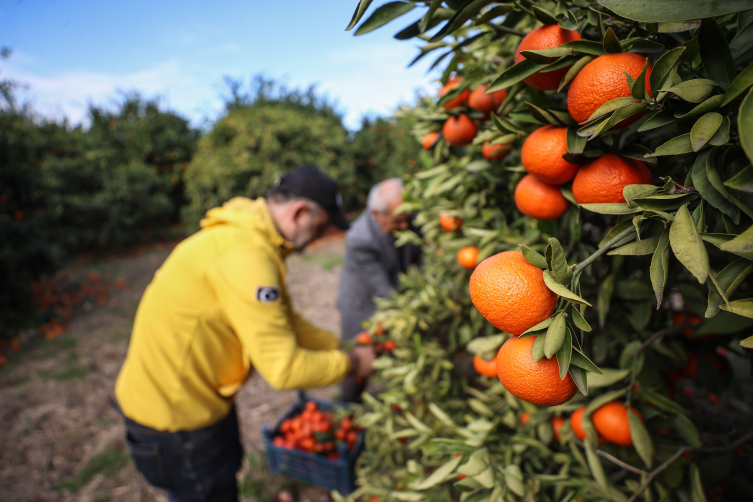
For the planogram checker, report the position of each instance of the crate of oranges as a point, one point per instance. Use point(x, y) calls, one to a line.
point(315, 441)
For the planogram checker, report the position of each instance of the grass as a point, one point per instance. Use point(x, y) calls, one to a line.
point(47, 348)
point(258, 483)
point(331, 263)
point(121, 337)
point(107, 462)
point(70, 371)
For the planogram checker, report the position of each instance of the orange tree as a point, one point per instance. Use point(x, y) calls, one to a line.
point(640, 122)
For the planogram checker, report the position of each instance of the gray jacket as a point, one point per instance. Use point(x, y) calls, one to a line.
point(371, 267)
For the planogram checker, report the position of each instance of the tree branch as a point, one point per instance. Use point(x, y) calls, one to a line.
point(732, 446)
point(661, 334)
point(614, 459)
point(603, 249)
point(656, 471)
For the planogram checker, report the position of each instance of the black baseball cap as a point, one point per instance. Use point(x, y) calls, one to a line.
point(311, 183)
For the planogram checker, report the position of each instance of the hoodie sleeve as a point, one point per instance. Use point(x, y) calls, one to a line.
point(312, 337)
point(247, 283)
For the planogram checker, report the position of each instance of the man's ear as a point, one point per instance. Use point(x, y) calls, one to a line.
point(298, 210)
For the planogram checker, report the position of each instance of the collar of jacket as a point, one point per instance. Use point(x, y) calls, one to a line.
point(252, 214)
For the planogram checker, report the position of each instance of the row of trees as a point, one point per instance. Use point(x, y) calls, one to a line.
point(139, 172)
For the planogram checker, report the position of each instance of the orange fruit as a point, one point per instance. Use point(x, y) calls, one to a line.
point(486, 102)
point(524, 418)
point(460, 99)
point(450, 223)
point(510, 292)
point(680, 318)
point(459, 130)
point(468, 257)
point(576, 423)
point(719, 363)
point(363, 338)
point(557, 426)
point(542, 152)
point(603, 179)
point(601, 81)
point(484, 367)
point(545, 37)
point(429, 140)
point(539, 200)
point(390, 345)
point(495, 152)
point(611, 422)
point(537, 382)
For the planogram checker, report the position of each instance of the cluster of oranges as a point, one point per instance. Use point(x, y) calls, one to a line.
point(601, 180)
point(317, 432)
point(467, 256)
point(379, 340)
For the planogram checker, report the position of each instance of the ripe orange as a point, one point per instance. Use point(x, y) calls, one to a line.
point(576, 423)
point(557, 426)
point(457, 101)
point(601, 81)
point(459, 130)
point(611, 422)
point(545, 37)
point(524, 418)
point(603, 179)
point(542, 152)
point(484, 367)
point(486, 102)
point(468, 257)
point(363, 338)
point(429, 140)
point(495, 152)
point(450, 223)
point(510, 292)
point(537, 382)
point(390, 345)
point(680, 318)
point(540, 200)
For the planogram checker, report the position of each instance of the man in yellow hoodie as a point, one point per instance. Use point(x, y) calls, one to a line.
point(216, 311)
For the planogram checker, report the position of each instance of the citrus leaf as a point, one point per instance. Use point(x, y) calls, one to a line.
point(514, 74)
point(579, 321)
point(423, 24)
point(610, 106)
point(463, 14)
point(414, 30)
point(747, 343)
point(638, 89)
point(708, 190)
point(547, 56)
point(709, 105)
point(383, 15)
point(543, 115)
point(641, 45)
point(687, 245)
point(575, 144)
point(611, 42)
point(675, 146)
point(580, 360)
point(658, 119)
point(740, 307)
point(745, 124)
point(568, 21)
point(687, 430)
point(656, 11)
point(544, 16)
point(721, 136)
point(641, 439)
point(597, 470)
point(555, 335)
point(561, 290)
point(361, 8)
point(438, 476)
point(742, 83)
point(608, 377)
point(580, 378)
point(694, 91)
point(557, 261)
point(715, 54)
point(631, 192)
point(638, 248)
point(637, 152)
point(664, 202)
point(741, 45)
point(605, 297)
point(564, 355)
point(659, 270)
point(704, 129)
point(532, 257)
point(537, 349)
point(573, 71)
point(611, 208)
point(514, 479)
point(697, 493)
point(742, 181)
point(663, 67)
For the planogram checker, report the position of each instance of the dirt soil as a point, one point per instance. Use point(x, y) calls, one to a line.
point(62, 440)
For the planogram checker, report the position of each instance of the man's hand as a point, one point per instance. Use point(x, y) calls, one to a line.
point(361, 361)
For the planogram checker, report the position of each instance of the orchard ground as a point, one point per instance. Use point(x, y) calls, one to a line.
point(62, 439)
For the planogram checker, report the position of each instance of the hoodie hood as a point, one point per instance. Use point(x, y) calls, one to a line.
point(249, 214)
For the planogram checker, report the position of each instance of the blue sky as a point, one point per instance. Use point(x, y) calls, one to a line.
point(71, 53)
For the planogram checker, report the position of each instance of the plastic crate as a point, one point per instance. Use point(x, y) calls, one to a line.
point(310, 467)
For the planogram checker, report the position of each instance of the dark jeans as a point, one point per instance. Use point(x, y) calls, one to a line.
point(193, 466)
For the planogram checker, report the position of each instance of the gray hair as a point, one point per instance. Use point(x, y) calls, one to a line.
point(382, 193)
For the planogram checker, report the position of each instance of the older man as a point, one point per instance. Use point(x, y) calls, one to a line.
point(372, 264)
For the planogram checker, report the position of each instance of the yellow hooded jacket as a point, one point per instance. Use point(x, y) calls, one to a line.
point(216, 310)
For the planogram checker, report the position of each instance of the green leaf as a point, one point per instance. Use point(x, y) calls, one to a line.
point(641, 45)
point(637, 152)
point(678, 26)
point(747, 343)
point(664, 202)
point(537, 349)
point(742, 83)
point(656, 11)
point(745, 124)
point(580, 360)
point(532, 257)
point(631, 192)
point(715, 54)
point(709, 105)
point(617, 117)
point(607, 378)
point(573, 71)
point(605, 297)
point(515, 74)
point(675, 146)
point(632, 289)
point(741, 45)
point(568, 21)
point(361, 8)
point(514, 479)
point(611, 42)
point(663, 67)
point(579, 321)
point(637, 248)
point(687, 430)
point(561, 290)
point(708, 190)
point(555, 335)
point(543, 116)
point(721, 136)
point(641, 438)
point(463, 14)
point(603, 399)
point(694, 91)
point(687, 245)
point(704, 129)
point(575, 144)
point(610, 106)
point(597, 470)
point(383, 15)
point(638, 89)
point(564, 355)
point(658, 119)
point(414, 30)
point(557, 262)
point(580, 378)
point(696, 485)
point(742, 181)
point(438, 476)
point(544, 16)
point(740, 307)
point(611, 208)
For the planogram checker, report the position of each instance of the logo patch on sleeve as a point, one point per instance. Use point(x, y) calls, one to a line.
point(267, 294)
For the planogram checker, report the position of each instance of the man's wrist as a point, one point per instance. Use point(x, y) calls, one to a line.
point(353, 363)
